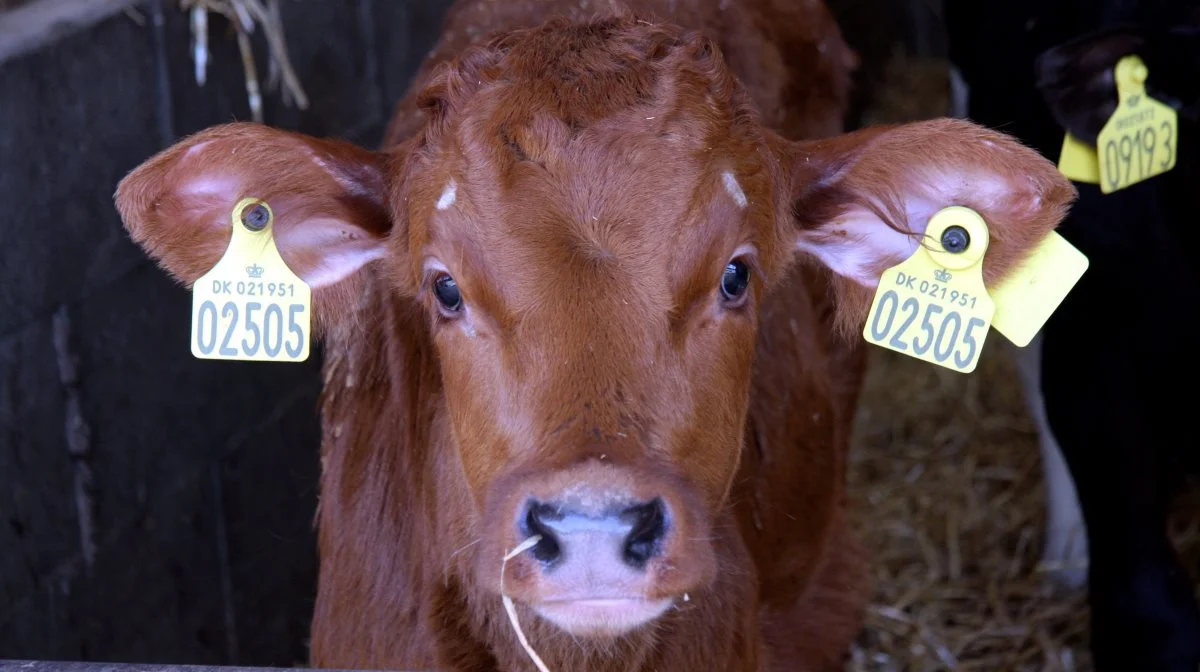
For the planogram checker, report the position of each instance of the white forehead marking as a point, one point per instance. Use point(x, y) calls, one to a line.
point(448, 196)
point(734, 189)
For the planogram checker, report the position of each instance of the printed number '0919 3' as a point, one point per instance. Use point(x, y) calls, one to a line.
point(261, 329)
point(940, 329)
point(1137, 150)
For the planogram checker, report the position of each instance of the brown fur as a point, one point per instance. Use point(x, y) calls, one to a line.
point(588, 236)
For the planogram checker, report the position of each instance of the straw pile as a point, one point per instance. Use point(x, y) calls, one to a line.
point(946, 480)
point(946, 477)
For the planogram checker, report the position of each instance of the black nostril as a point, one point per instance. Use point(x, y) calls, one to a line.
point(547, 549)
point(649, 522)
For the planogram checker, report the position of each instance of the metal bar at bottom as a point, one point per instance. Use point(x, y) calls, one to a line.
point(72, 666)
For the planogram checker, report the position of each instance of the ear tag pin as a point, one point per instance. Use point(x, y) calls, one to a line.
point(251, 306)
point(934, 306)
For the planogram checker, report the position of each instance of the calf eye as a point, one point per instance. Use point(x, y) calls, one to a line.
point(735, 280)
point(447, 293)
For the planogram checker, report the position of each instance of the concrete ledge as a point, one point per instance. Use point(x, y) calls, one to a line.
point(31, 26)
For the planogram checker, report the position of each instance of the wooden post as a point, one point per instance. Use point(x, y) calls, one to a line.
point(72, 666)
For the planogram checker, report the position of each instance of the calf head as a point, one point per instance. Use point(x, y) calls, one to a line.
point(591, 217)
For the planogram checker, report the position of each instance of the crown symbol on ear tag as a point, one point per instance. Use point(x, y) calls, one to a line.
point(923, 310)
point(251, 306)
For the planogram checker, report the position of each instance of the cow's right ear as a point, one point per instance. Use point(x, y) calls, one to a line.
point(329, 199)
point(860, 203)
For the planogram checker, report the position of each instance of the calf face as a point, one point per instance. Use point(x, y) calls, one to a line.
point(590, 218)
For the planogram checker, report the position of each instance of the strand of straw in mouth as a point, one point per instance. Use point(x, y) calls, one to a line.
point(508, 603)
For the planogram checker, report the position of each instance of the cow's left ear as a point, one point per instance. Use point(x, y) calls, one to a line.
point(329, 198)
point(860, 202)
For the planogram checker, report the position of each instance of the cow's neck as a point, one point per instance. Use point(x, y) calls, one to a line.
point(378, 535)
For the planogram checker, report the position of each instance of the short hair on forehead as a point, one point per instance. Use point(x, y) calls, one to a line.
point(609, 144)
point(583, 73)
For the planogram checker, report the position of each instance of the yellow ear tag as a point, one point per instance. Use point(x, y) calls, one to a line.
point(1025, 300)
point(1078, 161)
point(1138, 142)
point(251, 306)
point(934, 306)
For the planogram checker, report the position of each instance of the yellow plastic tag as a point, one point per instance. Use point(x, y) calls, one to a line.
point(1026, 299)
point(1139, 140)
point(1078, 161)
point(251, 306)
point(934, 306)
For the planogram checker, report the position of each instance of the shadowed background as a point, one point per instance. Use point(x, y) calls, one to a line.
point(158, 508)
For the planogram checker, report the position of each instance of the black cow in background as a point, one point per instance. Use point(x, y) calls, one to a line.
point(1119, 361)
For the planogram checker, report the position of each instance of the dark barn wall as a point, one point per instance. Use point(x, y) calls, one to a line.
point(155, 507)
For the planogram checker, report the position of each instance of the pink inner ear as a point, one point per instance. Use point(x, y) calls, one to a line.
point(209, 185)
point(854, 245)
point(321, 250)
point(195, 149)
point(207, 199)
point(325, 250)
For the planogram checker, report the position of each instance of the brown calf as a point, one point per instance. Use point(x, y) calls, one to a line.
point(564, 300)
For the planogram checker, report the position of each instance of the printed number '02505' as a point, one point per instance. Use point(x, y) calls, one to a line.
point(926, 329)
point(250, 330)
